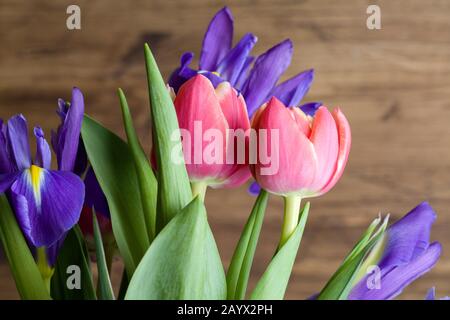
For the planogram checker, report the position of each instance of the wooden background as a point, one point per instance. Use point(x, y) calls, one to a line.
point(393, 84)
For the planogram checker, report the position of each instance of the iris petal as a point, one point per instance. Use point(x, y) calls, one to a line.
point(231, 66)
point(69, 132)
point(7, 179)
point(254, 188)
point(265, 73)
point(47, 204)
point(5, 161)
point(244, 72)
point(408, 237)
point(310, 108)
point(183, 73)
point(18, 138)
point(408, 254)
point(292, 91)
point(43, 153)
point(217, 40)
point(95, 198)
point(394, 280)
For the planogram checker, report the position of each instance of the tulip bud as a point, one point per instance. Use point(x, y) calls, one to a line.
point(312, 151)
point(310, 155)
point(214, 127)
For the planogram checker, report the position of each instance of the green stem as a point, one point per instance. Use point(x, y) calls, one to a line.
point(43, 266)
point(199, 189)
point(291, 214)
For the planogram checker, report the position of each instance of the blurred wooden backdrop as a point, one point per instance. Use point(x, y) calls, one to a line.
point(393, 84)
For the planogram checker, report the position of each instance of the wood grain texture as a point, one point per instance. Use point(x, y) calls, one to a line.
point(393, 84)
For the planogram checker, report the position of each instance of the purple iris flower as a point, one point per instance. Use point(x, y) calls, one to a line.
point(79, 163)
point(406, 254)
point(431, 295)
point(47, 203)
point(256, 78)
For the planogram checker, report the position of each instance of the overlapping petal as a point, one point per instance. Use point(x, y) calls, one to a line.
point(183, 73)
point(345, 142)
point(234, 62)
point(324, 137)
point(292, 91)
point(266, 71)
point(310, 108)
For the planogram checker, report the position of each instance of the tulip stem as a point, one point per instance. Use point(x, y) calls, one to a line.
point(291, 215)
point(199, 189)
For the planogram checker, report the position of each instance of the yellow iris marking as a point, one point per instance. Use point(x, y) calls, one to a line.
point(36, 179)
point(216, 73)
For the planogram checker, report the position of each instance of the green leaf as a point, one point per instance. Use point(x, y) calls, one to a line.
point(183, 261)
point(73, 253)
point(28, 279)
point(147, 181)
point(274, 281)
point(174, 191)
point(104, 289)
point(241, 263)
point(114, 168)
point(340, 284)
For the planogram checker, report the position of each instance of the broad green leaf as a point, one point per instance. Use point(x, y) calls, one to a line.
point(147, 181)
point(174, 191)
point(183, 261)
point(114, 168)
point(73, 253)
point(104, 288)
point(274, 281)
point(26, 275)
point(241, 263)
point(340, 284)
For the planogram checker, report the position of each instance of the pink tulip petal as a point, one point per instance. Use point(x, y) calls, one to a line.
point(324, 137)
point(197, 104)
point(233, 106)
point(235, 111)
point(238, 178)
point(345, 141)
point(302, 120)
point(296, 161)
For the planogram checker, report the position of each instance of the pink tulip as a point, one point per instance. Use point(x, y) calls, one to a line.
point(205, 117)
point(312, 151)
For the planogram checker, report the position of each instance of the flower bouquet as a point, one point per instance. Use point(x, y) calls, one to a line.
point(219, 126)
